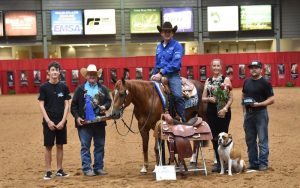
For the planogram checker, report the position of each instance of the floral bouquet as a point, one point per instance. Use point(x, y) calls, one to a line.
point(220, 91)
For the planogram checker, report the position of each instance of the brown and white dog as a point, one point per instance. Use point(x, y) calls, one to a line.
point(229, 155)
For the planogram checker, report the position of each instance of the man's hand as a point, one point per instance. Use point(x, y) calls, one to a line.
point(60, 125)
point(102, 109)
point(51, 125)
point(79, 121)
point(156, 77)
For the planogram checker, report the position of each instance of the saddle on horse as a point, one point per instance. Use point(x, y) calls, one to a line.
point(189, 91)
point(179, 135)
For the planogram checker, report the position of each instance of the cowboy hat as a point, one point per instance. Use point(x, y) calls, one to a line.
point(90, 68)
point(167, 26)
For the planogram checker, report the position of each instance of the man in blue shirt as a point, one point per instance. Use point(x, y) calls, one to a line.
point(169, 54)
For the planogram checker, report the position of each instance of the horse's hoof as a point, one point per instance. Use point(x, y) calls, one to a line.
point(143, 171)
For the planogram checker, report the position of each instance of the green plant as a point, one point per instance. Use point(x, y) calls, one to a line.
point(11, 91)
point(289, 84)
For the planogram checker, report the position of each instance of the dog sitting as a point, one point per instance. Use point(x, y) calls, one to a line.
point(229, 155)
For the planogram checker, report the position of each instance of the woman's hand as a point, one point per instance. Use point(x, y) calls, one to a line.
point(211, 99)
point(222, 113)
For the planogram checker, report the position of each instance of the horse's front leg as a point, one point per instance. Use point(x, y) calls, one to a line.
point(145, 138)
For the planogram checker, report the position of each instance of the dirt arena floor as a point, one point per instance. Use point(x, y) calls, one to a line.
point(22, 151)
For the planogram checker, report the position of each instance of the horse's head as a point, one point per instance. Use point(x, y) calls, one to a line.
point(121, 99)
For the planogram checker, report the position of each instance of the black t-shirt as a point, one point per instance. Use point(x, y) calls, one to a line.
point(54, 96)
point(260, 89)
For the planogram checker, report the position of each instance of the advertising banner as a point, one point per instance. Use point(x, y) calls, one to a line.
point(256, 17)
point(267, 72)
point(294, 70)
point(190, 72)
point(75, 77)
point(24, 77)
point(182, 17)
point(242, 71)
point(37, 77)
point(229, 71)
point(1, 24)
point(10, 79)
point(281, 71)
point(144, 20)
point(139, 73)
point(66, 22)
point(20, 23)
point(202, 73)
point(99, 21)
point(224, 18)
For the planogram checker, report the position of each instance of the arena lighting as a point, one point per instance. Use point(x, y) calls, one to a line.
point(105, 45)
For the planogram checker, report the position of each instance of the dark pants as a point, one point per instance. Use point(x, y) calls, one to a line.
point(176, 89)
point(217, 125)
point(256, 126)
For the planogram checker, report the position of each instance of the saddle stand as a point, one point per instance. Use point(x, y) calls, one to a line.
point(178, 135)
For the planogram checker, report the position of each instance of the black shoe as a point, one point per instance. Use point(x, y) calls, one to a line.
point(263, 168)
point(48, 175)
point(216, 168)
point(61, 173)
point(100, 172)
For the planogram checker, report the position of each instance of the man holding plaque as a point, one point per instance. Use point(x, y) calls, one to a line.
point(90, 101)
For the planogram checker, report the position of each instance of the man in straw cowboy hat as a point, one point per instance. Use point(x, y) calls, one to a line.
point(169, 54)
point(82, 110)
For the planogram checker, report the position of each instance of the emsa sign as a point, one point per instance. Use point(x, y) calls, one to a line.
point(66, 22)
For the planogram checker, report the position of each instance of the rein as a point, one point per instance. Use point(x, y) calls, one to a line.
point(129, 127)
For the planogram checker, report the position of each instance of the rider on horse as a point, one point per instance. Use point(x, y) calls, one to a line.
point(169, 54)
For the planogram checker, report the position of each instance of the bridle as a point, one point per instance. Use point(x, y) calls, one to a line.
point(123, 106)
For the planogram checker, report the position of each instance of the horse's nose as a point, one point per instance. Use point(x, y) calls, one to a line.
point(115, 114)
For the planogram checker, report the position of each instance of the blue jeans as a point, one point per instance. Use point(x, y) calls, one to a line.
point(175, 87)
point(86, 134)
point(256, 126)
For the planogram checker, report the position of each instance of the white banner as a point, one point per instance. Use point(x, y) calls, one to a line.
point(99, 21)
point(223, 18)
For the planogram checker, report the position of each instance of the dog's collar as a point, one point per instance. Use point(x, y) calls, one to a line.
point(227, 144)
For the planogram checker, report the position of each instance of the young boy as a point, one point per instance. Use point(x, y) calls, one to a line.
point(54, 99)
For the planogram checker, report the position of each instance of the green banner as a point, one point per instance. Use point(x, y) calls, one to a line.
point(144, 20)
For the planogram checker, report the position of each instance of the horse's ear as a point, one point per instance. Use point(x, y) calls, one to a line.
point(123, 81)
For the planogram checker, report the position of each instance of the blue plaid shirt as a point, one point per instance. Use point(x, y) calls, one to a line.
point(168, 59)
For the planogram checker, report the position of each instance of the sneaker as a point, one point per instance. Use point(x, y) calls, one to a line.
point(100, 172)
point(263, 168)
point(89, 173)
point(216, 168)
point(61, 173)
point(48, 175)
point(251, 169)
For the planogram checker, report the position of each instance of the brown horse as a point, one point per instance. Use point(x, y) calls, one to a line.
point(147, 107)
